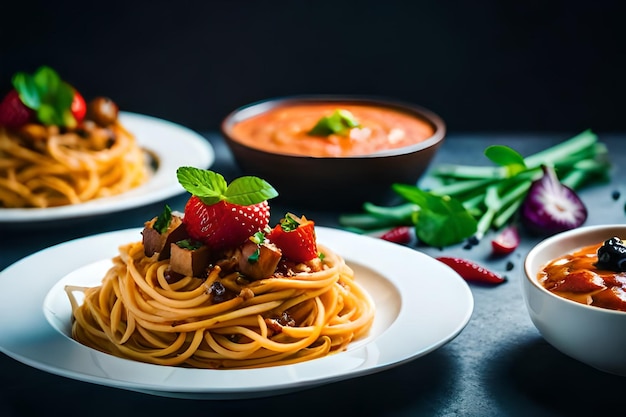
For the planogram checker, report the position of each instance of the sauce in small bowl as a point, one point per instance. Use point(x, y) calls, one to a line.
point(577, 276)
point(568, 319)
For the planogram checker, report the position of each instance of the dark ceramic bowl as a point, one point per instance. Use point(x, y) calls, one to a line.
point(329, 182)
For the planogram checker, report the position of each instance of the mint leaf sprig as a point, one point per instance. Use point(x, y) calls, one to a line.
point(471, 200)
point(47, 94)
point(212, 188)
point(340, 122)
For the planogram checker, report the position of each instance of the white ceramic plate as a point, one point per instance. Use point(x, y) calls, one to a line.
point(173, 145)
point(421, 305)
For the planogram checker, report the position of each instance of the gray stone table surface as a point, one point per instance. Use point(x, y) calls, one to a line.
point(499, 365)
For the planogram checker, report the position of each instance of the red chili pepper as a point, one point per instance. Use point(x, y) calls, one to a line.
point(399, 234)
point(471, 271)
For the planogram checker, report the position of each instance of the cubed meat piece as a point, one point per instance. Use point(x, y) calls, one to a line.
point(155, 242)
point(189, 262)
point(258, 265)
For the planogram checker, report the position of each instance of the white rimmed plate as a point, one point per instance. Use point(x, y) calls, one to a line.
point(172, 145)
point(421, 305)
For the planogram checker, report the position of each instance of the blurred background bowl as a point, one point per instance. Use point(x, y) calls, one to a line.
point(593, 335)
point(331, 182)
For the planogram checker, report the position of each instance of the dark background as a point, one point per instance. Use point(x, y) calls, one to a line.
point(482, 65)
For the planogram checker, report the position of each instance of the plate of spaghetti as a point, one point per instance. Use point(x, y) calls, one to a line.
point(231, 309)
point(68, 159)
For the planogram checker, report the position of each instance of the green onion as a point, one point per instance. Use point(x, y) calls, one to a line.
point(475, 199)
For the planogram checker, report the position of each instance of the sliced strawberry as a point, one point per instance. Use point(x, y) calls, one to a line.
point(471, 271)
point(224, 225)
point(295, 237)
point(14, 113)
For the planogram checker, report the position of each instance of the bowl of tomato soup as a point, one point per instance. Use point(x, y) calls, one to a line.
point(331, 151)
point(575, 293)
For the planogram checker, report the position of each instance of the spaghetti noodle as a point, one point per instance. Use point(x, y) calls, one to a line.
point(42, 166)
point(139, 312)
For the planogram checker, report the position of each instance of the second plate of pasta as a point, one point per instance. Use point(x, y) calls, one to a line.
point(420, 305)
point(166, 146)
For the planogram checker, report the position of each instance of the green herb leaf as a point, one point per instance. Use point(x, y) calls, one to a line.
point(47, 94)
point(163, 220)
point(189, 244)
point(258, 237)
point(249, 190)
point(254, 258)
point(506, 157)
point(340, 122)
point(211, 187)
point(441, 220)
point(289, 223)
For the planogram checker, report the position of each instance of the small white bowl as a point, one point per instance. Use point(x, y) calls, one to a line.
point(592, 335)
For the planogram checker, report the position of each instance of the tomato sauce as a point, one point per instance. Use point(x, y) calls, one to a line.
point(575, 277)
point(285, 130)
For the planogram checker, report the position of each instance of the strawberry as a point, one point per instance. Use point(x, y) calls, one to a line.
point(224, 215)
point(14, 113)
point(224, 225)
point(295, 237)
point(471, 271)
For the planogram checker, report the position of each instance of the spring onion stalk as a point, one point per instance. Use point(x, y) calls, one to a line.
point(491, 196)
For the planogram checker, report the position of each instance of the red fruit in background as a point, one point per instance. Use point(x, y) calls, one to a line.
point(295, 237)
point(14, 113)
point(78, 107)
point(224, 225)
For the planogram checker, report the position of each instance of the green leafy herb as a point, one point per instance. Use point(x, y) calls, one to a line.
point(254, 258)
point(49, 96)
point(340, 122)
point(440, 220)
point(258, 237)
point(164, 220)
point(289, 223)
point(506, 157)
point(481, 198)
point(211, 187)
point(189, 244)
